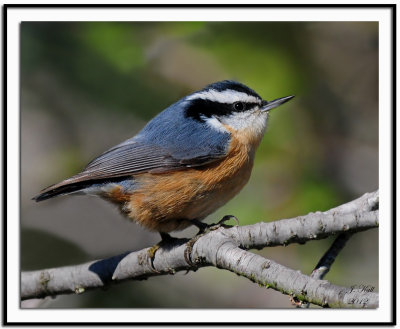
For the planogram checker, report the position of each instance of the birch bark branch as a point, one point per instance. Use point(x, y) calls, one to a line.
point(226, 248)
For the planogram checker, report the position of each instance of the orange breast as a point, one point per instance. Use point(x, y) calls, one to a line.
point(165, 202)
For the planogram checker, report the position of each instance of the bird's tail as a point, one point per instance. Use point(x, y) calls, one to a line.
point(79, 183)
point(58, 189)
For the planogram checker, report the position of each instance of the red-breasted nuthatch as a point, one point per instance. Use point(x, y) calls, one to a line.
point(185, 163)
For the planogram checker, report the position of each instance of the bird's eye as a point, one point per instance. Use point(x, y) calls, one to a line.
point(238, 106)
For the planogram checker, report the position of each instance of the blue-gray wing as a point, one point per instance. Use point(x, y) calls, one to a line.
point(168, 143)
point(133, 157)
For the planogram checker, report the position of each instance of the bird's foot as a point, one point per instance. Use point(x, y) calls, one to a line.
point(165, 239)
point(204, 228)
point(151, 252)
point(226, 218)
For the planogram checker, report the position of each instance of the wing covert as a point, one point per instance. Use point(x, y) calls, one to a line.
point(133, 157)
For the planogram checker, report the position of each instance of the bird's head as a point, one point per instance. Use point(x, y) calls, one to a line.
point(231, 106)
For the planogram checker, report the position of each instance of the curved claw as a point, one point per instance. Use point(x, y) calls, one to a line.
point(151, 252)
point(203, 227)
point(228, 217)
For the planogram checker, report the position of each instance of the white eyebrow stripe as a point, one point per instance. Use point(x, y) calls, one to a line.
point(227, 96)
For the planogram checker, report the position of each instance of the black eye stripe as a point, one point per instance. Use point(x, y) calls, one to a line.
point(251, 105)
point(202, 107)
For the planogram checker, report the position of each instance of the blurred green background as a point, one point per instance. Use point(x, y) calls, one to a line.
point(88, 86)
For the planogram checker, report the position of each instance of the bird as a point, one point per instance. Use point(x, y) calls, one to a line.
point(188, 161)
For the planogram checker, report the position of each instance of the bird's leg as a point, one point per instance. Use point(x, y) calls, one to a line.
point(165, 237)
point(200, 225)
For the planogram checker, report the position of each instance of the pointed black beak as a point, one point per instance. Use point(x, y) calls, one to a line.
point(267, 106)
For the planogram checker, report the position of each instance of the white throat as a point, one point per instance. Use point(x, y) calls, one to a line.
point(252, 123)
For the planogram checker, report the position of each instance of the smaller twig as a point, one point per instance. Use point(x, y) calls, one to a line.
point(324, 264)
point(326, 261)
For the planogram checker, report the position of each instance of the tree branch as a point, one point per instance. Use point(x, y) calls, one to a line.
point(224, 248)
point(326, 262)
